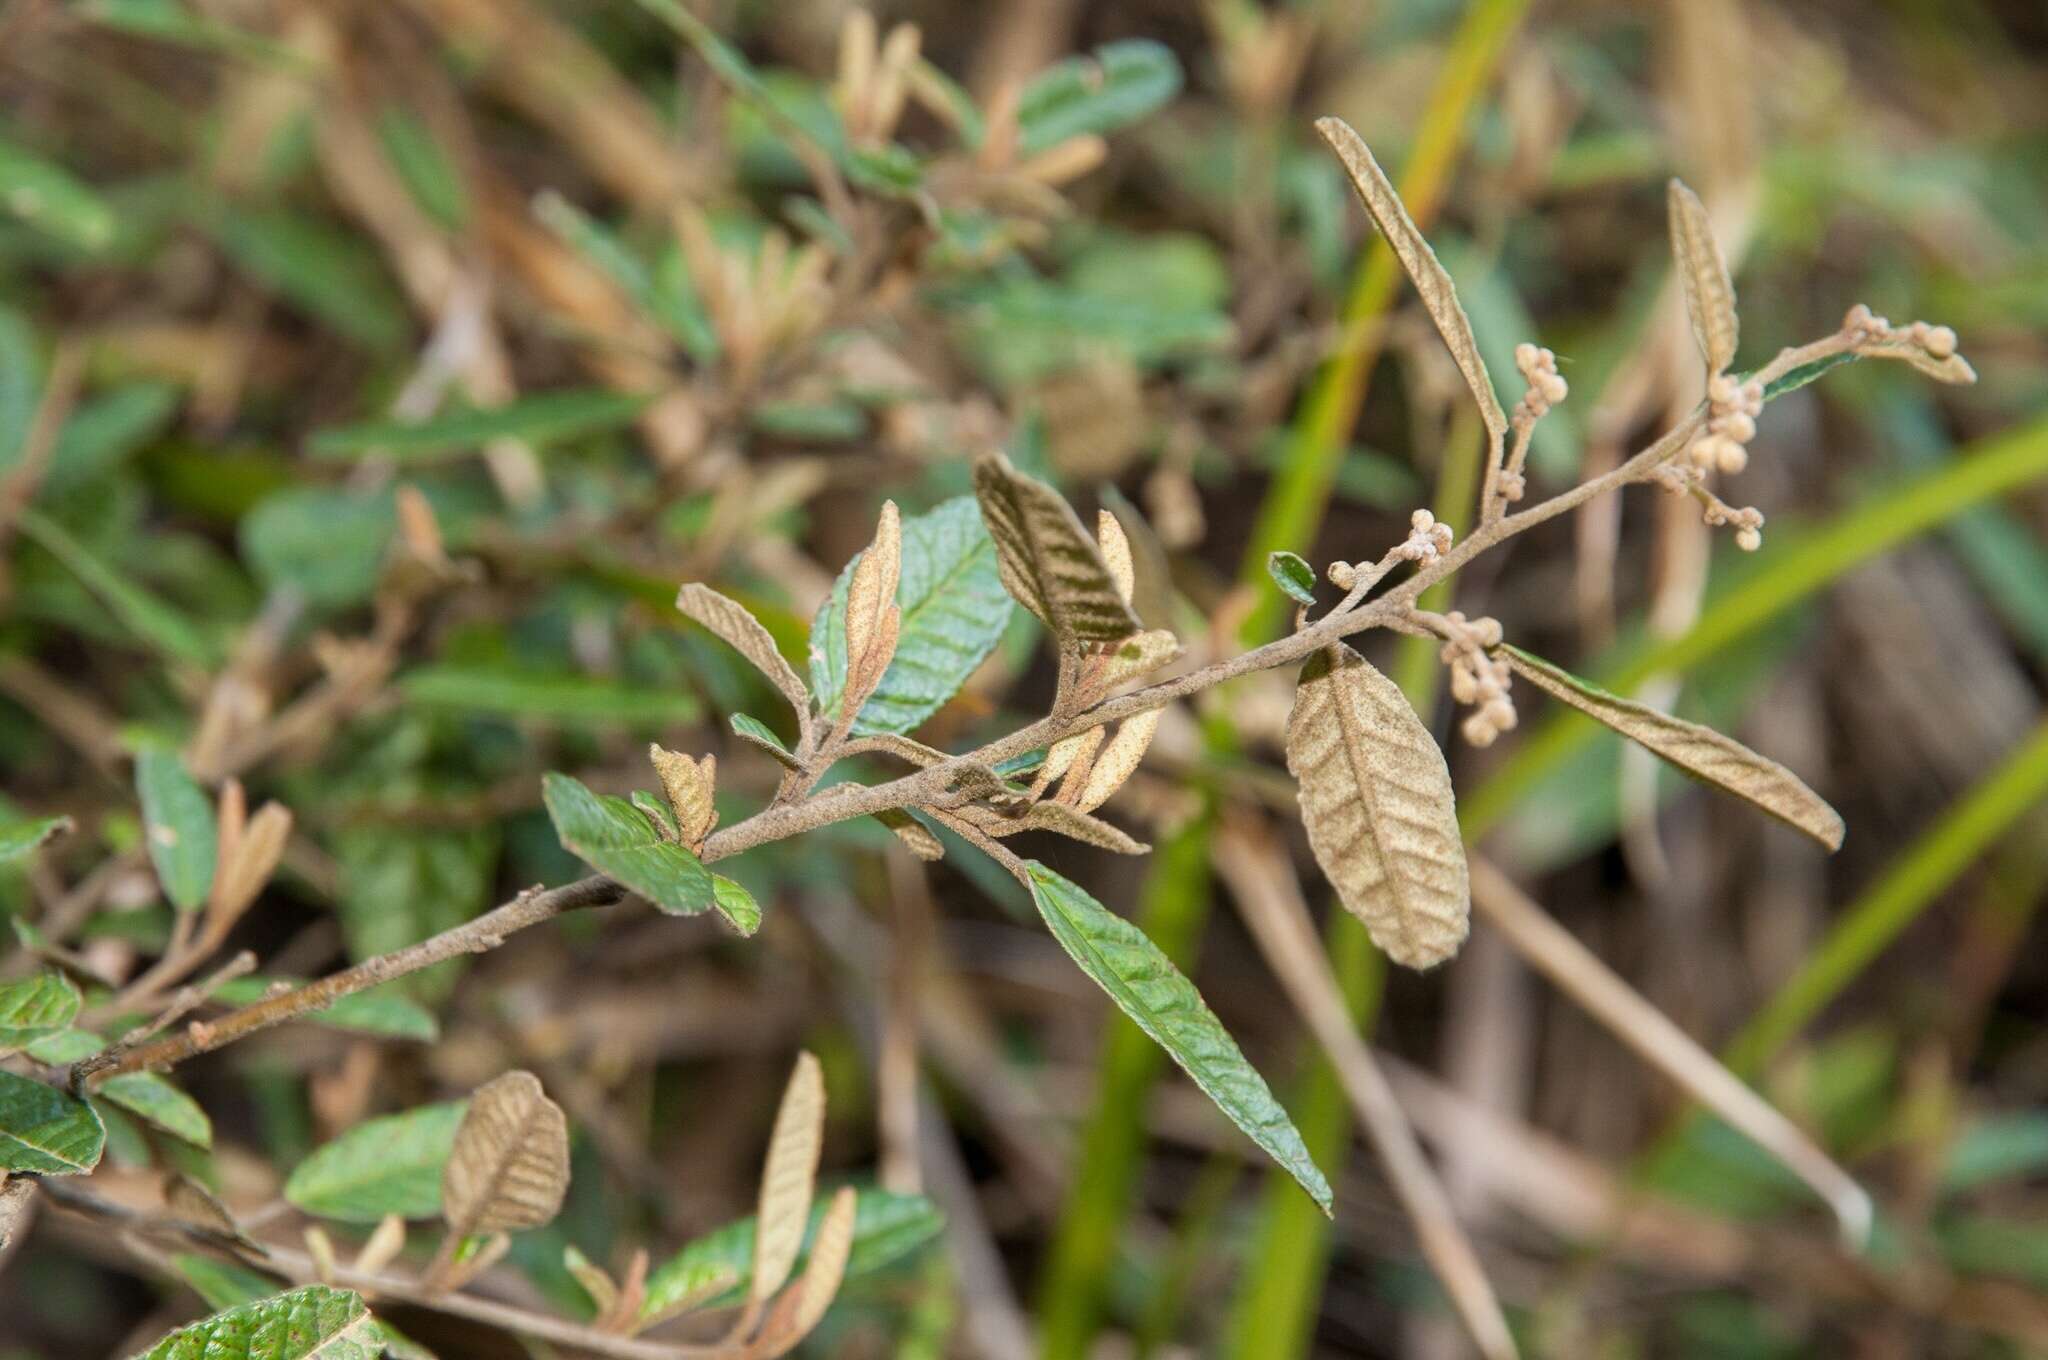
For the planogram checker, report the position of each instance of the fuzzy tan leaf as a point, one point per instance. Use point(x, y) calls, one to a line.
point(1139, 656)
point(1063, 755)
point(1057, 818)
point(509, 1167)
point(689, 785)
point(741, 631)
point(1048, 562)
point(1376, 798)
point(1700, 751)
point(822, 1277)
point(1431, 280)
point(872, 615)
point(247, 865)
point(788, 1176)
point(192, 1202)
point(1116, 553)
point(1118, 758)
point(1703, 274)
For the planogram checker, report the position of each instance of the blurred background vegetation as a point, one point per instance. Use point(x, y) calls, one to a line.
point(641, 293)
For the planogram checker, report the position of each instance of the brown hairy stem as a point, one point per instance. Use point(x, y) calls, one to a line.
point(928, 787)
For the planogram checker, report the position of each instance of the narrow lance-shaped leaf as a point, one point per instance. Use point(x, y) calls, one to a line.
point(177, 826)
point(314, 1323)
point(1147, 987)
point(744, 633)
point(873, 617)
point(820, 1283)
point(1703, 275)
point(1048, 562)
point(954, 610)
point(19, 838)
point(1432, 281)
point(509, 1167)
point(787, 1178)
point(151, 1097)
point(1700, 751)
point(45, 1131)
point(1376, 799)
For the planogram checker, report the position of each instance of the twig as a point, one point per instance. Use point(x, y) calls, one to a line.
point(1271, 905)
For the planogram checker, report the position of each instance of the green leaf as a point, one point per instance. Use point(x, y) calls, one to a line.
point(103, 432)
point(436, 185)
point(954, 611)
point(329, 274)
point(65, 1046)
point(380, 1010)
point(1295, 577)
point(542, 419)
point(35, 1007)
point(668, 295)
point(150, 1097)
point(52, 200)
point(1117, 86)
point(735, 904)
point(221, 1284)
point(177, 824)
point(2002, 1146)
point(388, 1165)
point(314, 1323)
point(759, 733)
point(153, 621)
point(328, 545)
point(518, 693)
point(886, 1227)
point(1147, 987)
point(616, 839)
point(43, 1130)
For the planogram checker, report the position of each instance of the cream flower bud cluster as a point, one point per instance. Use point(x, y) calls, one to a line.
point(1427, 538)
point(1748, 522)
point(1868, 328)
point(1546, 389)
point(1732, 409)
point(1479, 678)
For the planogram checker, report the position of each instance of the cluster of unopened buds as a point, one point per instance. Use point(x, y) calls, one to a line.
point(1732, 409)
point(1427, 538)
point(1865, 327)
point(1546, 388)
point(1748, 522)
point(1479, 678)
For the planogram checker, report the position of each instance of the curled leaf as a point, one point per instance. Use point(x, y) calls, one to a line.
point(689, 785)
point(1116, 553)
point(741, 631)
point(873, 618)
point(916, 837)
point(1709, 293)
point(787, 1178)
point(1118, 758)
point(1048, 562)
point(821, 1279)
point(510, 1164)
point(1439, 295)
point(1700, 751)
point(1376, 799)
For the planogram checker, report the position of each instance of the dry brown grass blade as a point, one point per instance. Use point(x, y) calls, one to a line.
point(741, 631)
point(510, 1165)
point(1552, 951)
point(1268, 896)
point(1376, 799)
point(1703, 275)
point(1439, 295)
point(1049, 563)
point(1700, 751)
point(787, 1180)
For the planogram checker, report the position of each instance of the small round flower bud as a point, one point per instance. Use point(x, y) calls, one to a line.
point(1478, 730)
point(1732, 457)
point(1513, 487)
point(1488, 687)
point(1500, 714)
point(1749, 540)
point(1738, 426)
point(1554, 388)
point(1753, 397)
point(1940, 342)
point(1442, 534)
point(1858, 318)
point(1525, 356)
point(1722, 390)
point(1342, 575)
point(1488, 630)
point(1463, 688)
point(1421, 520)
